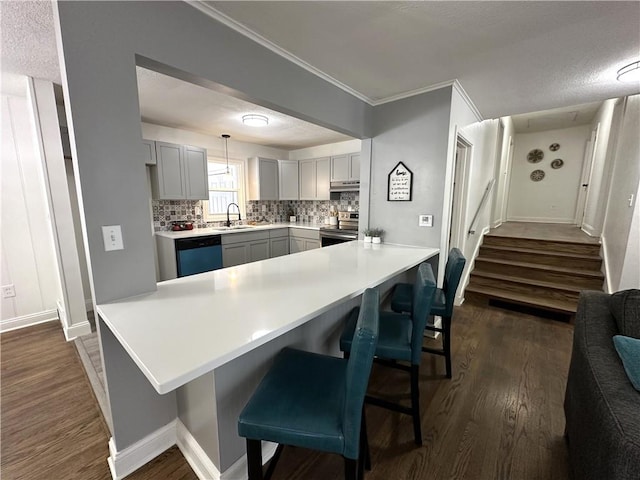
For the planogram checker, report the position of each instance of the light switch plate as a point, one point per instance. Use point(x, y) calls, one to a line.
point(425, 220)
point(112, 236)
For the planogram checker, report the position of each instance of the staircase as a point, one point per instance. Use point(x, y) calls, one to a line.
point(542, 274)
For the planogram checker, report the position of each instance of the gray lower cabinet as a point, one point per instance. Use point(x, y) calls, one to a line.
point(278, 242)
point(245, 247)
point(303, 239)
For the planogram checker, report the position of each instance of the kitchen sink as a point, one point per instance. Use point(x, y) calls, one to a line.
point(235, 227)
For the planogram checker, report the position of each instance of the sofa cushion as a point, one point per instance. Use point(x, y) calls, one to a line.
point(625, 308)
point(629, 350)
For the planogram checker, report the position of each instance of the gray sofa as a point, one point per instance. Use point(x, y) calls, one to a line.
point(602, 408)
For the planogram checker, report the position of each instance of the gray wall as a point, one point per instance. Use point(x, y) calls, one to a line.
point(414, 131)
point(100, 43)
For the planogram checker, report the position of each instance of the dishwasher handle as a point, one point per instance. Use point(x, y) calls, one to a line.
point(198, 242)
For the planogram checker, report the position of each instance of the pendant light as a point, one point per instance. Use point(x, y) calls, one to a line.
point(227, 172)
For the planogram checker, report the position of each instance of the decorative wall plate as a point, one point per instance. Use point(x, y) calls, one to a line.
point(554, 146)
point(557, 163)
point(534, 156)
point(537, 175)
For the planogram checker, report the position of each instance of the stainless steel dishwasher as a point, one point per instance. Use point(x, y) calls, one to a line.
point(198, 255)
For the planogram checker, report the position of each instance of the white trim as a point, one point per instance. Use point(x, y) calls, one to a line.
point(541, 220)
point(124, 462)
point(466, 273)
point(589, 230)
point(467, 99)
point(88, 304)
point(437, 322)
point(71, 332)
point(29, 320)
point(77, 330)
point(202, 465)
point(243, 30)
point(256, 37)
point(412, 93)
point(238, 471)
point(605, 265)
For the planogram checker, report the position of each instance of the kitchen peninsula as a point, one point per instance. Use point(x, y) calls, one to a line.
point(203, 342)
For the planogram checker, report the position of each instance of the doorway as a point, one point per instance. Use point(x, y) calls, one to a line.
point(585, 179)
point(457, 231)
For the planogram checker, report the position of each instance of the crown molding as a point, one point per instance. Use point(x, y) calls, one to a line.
point(243, 30)
point(458, 86)
point(413, 93)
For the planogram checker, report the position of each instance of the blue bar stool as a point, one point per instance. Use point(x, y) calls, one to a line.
point(315, 401)
point(442, 303)
point(400, 339)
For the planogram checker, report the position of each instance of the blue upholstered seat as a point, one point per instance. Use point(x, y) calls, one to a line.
point(315, 401)
point(400, 338)
point(402, 301)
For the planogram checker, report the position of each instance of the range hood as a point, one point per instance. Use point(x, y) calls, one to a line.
point(346, 186)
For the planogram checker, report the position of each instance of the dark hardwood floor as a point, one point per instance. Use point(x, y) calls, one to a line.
point(499, 417)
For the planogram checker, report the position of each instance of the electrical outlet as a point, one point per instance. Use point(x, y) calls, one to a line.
point(425, 220)
point(112, 236)
point(8, 291)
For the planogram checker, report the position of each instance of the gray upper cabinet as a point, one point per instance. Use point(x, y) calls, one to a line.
point(149, 152)
point(345, 167)
point(180, 173)
point(288, 179)
point(195, 163)
point(263, 179)
point(167, 178)
point(314, 175)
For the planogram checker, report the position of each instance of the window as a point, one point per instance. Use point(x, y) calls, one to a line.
point(223, 190)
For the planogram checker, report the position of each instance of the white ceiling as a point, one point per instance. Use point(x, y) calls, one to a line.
point(173, 103)
point(565, 117)
point(510, 57)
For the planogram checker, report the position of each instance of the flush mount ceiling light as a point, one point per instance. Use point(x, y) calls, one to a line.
point(255, 120)
point(630, 73)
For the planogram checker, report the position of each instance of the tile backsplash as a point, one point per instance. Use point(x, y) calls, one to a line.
point(167, 211)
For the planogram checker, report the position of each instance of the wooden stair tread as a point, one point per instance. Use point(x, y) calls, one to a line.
point(554, 240)
point(540, 252)
point(529, 281)
point(520, 298)
point(539, 266)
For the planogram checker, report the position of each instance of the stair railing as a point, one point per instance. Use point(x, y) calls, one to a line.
point(482, 202)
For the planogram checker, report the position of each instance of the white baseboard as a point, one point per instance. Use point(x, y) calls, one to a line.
point(541, 220)
point(605, 264)
point(202, 464)
point(75, 331)
point(28, 320)
point(589, 230)
point(470, 263)
point(437, 322)
point(124, 462)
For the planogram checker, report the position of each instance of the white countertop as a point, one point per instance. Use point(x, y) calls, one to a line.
point(199, 232)
point(192, 325)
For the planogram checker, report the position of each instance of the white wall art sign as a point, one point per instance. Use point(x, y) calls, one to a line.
point(400, 183)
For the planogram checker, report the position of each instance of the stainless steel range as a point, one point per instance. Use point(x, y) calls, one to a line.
point(345, 231)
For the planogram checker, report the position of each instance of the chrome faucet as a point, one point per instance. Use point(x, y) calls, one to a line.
point(228, 222)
